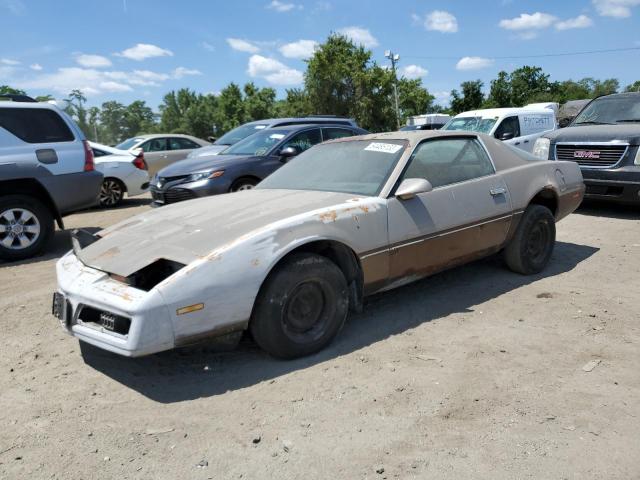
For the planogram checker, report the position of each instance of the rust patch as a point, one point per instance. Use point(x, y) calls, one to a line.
point(112, 252)
point(328, 216)
point(364, 208)
point(255, 262)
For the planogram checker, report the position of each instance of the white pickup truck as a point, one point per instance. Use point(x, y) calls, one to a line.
point(519, 127)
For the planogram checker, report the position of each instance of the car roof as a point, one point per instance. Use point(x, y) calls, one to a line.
point(302, 126)
point(623, 95)
point(109, 150)
point(146, 136)
point(34, 105)
point(499, 112)
point(300, 120)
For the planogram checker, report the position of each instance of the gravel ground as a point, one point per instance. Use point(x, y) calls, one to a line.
point(474, 373)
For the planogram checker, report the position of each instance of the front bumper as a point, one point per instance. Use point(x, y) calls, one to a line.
point(87, 291)
point(621, 185)
point(173, 193)
point(137, 183)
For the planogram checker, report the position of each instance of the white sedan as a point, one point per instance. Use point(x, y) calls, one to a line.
point(124, 172)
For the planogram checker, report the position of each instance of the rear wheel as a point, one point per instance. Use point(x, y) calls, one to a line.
point(26, 226)
point(531, 247)
point(301, 307)
point(244, 184)
point(111, 192)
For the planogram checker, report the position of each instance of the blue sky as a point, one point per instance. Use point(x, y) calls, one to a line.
point(140, 49)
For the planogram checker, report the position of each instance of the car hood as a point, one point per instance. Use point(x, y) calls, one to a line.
point(629, 133)
point(191, 230)
point(200, 164)
point(208, 150)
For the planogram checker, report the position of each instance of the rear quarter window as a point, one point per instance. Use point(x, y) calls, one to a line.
point(35, 125)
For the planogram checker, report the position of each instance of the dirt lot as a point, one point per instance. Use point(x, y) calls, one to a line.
point(475, 373)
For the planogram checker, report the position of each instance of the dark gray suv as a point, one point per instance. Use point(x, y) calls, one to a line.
point(243, 165)
point(46, 172)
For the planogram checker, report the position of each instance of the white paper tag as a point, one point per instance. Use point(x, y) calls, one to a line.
point(277, 136)
point(383, 147)
point(260, 127)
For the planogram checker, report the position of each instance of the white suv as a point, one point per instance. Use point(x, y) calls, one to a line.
point(46, 172)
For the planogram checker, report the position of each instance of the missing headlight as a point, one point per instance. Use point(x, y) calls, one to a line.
point(151, 275)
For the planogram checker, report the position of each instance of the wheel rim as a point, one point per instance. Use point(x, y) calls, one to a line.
point(537, 245)
point(19, 228)
point(245, 186)
point(110, 192)
point(304, 314)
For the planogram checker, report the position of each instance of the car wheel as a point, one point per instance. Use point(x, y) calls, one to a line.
point(26, 226)
point(111, 192)
point(531, 247)
point(301, 307)
point(243, 184)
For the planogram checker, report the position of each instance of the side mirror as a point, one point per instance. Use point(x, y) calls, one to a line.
point(287, 153)
point(506, 136)
point(410, 187)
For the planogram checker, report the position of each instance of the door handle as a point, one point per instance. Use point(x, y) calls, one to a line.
point(526, 141)
point(498, 191)
point(517, 143)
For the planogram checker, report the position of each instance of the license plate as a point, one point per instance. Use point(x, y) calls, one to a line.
point(59, 306)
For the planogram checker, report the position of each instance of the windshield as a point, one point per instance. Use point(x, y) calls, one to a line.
point(472, 124)
point(360, 167)
point(257, 144)
point(610, 110)
point(129, 143)
point(240, 133)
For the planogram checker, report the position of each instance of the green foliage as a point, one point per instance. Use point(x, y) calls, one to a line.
point(7, 90)
point(634, 87)
point(471, 97)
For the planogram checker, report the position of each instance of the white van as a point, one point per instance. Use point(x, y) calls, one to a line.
point(519, 127)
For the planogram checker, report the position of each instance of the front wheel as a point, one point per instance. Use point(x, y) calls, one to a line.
point(531, 247)
point(301, 307)
point(26, 225)
point(243, 184)
point(111, 192)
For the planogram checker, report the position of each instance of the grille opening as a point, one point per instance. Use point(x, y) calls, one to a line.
point(604, 190)
point(153, 274)
point(107, 320)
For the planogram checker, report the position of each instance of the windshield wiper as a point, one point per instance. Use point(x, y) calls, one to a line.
point(594, 123)
point(630, 120)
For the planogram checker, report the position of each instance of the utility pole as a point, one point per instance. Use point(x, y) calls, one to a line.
point(395, 58)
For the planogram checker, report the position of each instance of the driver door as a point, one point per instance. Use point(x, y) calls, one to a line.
point(300, 141)
point(465, 216)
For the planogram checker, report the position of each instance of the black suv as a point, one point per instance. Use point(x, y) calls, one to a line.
point(604, 140)
point(46, 172)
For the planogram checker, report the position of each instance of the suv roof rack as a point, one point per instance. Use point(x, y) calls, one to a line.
point(18, 98)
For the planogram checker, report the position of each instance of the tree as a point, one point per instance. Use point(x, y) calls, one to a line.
point(230, 110)
point(634, 87)
point(259, 103)
point(528, 84)
point(500, 92)
point(470, 99)
point(413, 98)
point(75, 109)
point(137, 118)
point(7, 90)
point(112, 121)
point(296, 104)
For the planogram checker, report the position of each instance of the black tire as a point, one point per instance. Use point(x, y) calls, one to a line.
point(245, 183)
point(531, 247)
point(111, 192)
point(301, 307)
point(28, 214)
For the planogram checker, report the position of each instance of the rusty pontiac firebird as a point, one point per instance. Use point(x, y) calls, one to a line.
point(289, 259)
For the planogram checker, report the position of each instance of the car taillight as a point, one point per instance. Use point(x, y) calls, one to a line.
point(139, 162)
point(89, 166)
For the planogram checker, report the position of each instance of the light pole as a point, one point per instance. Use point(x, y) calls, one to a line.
point(394, 57)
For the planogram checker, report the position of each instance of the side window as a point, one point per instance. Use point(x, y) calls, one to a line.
point(178, 143)
point(332, 133)
point(509, 125)
point(34, 125)
point(443, 162)
point(99, 153)
point(154, 145)
point(304, 140)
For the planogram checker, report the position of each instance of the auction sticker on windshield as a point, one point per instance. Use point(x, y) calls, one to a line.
point(383, 147)
point(277, 136)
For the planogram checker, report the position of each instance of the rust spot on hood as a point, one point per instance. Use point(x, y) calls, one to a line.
point(329, 216)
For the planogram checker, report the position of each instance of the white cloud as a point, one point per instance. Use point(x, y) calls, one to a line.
point(90, 81)
point(140, 77)
point(273, 71)
point(282, 6)
point(181, 72)
point(35, 66)
point(142, 51)
point(242, 45)
point(473, 63)
point(93, 61)
point(581, 21)
point(615, 8)
point(6, 72)
point(111, 86)
point(207, 46)
point(525, 21)
point(414, 71)
point(440, 21)
point(360, 36)
point(8, 61)
point(300, 49)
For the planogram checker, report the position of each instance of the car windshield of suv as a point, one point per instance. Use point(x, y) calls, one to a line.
point(610, 110)
point(240, 133)
point(361, 167)
point(257, 144)
point(129, 143)
point(472, 124)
